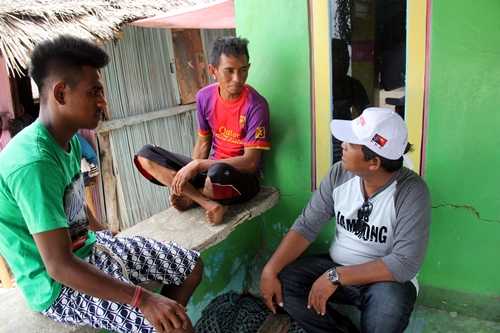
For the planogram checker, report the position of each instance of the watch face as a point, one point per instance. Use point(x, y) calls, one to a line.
point(332, 276)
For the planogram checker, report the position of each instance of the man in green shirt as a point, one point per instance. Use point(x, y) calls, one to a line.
point(64, 266)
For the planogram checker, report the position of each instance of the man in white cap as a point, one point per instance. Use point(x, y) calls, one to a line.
point(382, 216)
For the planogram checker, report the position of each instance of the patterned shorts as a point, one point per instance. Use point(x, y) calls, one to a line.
point(132, 260)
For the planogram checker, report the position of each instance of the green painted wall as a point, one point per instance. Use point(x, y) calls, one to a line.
point(279, 53)
point(462, 154)
point(461, 271)
point(226, 267)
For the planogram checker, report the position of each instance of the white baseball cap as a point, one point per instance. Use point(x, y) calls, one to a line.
point(381, 130)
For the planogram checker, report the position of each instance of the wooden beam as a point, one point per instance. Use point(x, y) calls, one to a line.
point(190, 63)
point(107, 126)
point(109, 183)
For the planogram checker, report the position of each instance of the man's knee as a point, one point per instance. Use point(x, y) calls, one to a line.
point(144, 162)
point(388, 305)
point(215, 173)
point(219, 171)
point(289, 274)
point(293, 283)
point(150, 156)
point(304, 271)
point(140, 158)
point(393, 295)
point(197, 274)
point(145, 150)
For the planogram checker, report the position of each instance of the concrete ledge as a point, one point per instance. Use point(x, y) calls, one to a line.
point(16, 317)
point(188, 229)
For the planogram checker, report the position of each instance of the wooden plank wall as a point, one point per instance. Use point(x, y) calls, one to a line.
point(142, 93)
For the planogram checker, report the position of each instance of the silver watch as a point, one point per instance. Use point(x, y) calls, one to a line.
point(333, 276)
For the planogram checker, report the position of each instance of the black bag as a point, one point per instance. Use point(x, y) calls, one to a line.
point(242, 313)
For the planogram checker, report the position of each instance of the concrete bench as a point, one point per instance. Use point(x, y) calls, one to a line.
point(188, 229)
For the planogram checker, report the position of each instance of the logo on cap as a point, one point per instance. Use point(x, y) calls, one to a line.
point(379, 140)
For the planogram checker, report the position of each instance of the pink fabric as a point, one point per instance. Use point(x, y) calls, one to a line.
point(5, 96)
point(4, 139)
point(6, 108)
point(216, 15)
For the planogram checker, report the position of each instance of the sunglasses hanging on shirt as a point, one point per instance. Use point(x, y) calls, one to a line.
point(363, 217)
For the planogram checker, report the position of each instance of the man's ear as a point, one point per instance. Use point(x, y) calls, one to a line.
point(374, 164)
point(59, 92)
point(212, 70)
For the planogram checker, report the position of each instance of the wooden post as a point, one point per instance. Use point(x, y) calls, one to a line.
point(109, 183)
point(4, 274)
point(190, 63)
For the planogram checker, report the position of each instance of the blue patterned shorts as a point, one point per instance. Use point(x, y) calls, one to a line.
point(132, 260)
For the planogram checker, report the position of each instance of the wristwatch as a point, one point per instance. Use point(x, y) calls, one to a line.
point(333, 276)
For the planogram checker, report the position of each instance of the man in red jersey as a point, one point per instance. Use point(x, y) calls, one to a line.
point(233, 129)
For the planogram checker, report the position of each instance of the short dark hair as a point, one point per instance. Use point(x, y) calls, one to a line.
point(65, 56)
point(230, 46)
point(386, 164)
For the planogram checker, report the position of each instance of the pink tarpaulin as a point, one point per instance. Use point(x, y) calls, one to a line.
point(6, 107)
point(216, 15)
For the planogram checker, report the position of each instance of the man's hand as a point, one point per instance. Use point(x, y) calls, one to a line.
point(321, 291)
point(270, 289)
point(163, 313)
point(183, 176)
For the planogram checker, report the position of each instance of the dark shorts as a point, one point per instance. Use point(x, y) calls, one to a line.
point(230, 186)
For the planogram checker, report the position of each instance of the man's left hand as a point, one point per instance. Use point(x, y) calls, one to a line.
point(321, 291)
point(183, 176)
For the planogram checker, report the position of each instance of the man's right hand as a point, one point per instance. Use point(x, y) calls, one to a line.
point(270, 289)
point(163, 313)
point(184, 175)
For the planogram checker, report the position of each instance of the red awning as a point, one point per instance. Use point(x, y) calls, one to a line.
point(215, 15)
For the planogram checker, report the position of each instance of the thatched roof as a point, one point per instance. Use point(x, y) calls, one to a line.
point(25, 23)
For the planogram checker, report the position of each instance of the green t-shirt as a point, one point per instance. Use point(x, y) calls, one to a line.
point(41, 189)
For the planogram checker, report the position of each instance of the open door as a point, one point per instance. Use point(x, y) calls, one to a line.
point(361, 57)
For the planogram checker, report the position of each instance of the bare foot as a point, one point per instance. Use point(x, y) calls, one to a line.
point(180, 202)
point(215, 214)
